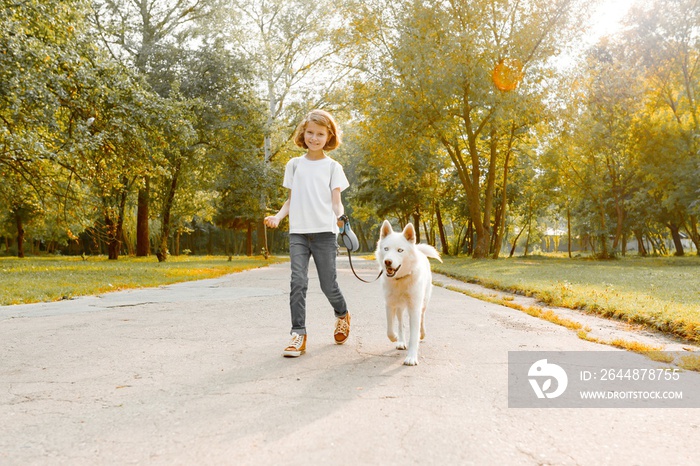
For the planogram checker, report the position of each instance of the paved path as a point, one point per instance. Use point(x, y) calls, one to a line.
point(193, 374)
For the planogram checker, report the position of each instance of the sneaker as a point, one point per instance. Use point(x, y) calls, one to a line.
point(342, 329)
point(296, 347)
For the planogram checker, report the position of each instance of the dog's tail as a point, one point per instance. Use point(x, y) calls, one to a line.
point(429, 251)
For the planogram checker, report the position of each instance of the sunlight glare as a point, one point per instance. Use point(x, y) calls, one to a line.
point(607, 17)
point(605, 20)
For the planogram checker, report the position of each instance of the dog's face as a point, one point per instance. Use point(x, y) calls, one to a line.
point(395, 250)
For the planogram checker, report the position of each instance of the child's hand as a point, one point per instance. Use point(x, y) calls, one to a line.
point(272, 221)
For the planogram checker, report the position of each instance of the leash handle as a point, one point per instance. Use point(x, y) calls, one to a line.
point(344, 218)
point(350, 246)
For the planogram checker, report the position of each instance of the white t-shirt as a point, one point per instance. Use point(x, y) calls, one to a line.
point(312, 183)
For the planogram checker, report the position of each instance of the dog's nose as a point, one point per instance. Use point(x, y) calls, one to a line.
point(387, 263)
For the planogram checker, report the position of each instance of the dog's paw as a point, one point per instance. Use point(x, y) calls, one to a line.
point(392, 336)
point(410, 361)
point(401, 345)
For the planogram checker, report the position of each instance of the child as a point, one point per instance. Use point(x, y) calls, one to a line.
point(314, 206)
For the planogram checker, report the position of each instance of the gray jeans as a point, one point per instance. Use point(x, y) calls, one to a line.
point(324, 248)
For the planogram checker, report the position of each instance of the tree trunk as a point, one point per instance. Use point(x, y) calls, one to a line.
point(113, 242)
point(694, 234)
point(210, 241)
point(249, 239)
point(227, 245)
point(568, 230)
point(657, 244)
point(441, 229)
point(515, 241)
point(20, 235)
point(459, 241)
point(676, 239)
point(115, 229)
point(360, 232)
point(495, 231)
point(167, 209)
point(127, 244)
point(428, 234)
point(470, 176)
point(604, 251)
point(641, 248)
point(527, 240)
point(469, 237)
point(483, 224)
point(620, 217)
point(143, 243)
point(604, 254)
point(501, 226)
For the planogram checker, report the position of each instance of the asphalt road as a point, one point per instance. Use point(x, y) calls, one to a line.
point(193, 374)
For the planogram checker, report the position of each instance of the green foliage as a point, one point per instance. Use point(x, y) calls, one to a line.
point(196, 101)
point(433, 64)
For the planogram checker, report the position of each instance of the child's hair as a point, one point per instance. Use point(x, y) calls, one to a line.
point(321, 118)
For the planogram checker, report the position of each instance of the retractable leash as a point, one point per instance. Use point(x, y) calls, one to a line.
point(351, 243)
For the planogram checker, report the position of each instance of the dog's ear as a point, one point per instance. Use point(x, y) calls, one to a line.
point(386, 229)
point(410, 233)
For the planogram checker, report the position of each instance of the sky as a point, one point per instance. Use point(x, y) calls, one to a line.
point(606, 19)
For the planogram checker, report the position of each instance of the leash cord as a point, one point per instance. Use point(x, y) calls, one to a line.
point(346, 221)
point(355, 273)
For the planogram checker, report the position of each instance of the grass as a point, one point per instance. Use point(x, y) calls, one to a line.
point(51, 278)
point(662, 293)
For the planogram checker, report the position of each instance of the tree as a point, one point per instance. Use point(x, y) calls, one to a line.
point(666, 48)
point(135, 31)
point(400, 169)
point(294, 49)
point(38, 51)
point(228, 123)
point(22, 203)
point(599, 152)
point(440, 60)
point(126, 138)
point(42, 44)
point(290, 46)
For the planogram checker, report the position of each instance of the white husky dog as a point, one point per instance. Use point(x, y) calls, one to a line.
point(407, 283)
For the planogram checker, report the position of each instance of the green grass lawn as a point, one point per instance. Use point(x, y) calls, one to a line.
point(660, 292)
point(38, 279)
